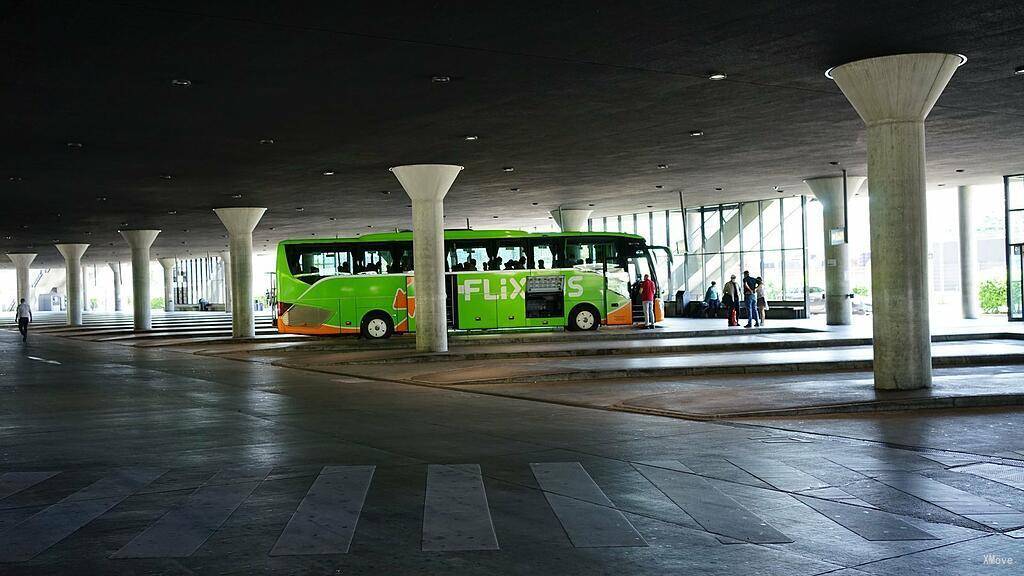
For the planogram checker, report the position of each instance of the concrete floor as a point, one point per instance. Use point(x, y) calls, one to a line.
point(144, 460)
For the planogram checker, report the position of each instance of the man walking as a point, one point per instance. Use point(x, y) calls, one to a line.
point(24, 316)
point(731, 300)
point(750, 299)
point(711, 299)
point(647, 290)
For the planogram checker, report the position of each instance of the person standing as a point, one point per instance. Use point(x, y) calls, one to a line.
point(24, 316)
point(731, 300)
point(711, 299)
point(750, 299)
point(762, 300)
point(647, 290)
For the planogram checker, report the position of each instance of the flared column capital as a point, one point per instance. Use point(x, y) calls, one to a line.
point(22, 259)
point(429, 182)
point(571, 219)
point(72, 252)
point(898, 88)
point(139, 239)
point(167, 263)
point(241, 220)
point(829, 189)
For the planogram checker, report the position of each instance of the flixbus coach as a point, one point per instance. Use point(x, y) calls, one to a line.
point(493, 279)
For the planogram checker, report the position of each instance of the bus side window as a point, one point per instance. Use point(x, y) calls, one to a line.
point(547, 253)
point(579, 252)
point(512, 254)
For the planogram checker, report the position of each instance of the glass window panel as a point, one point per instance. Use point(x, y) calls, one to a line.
point(731, 267)
point(470, 256)
point(771, 223)
point(660, 237)
point(712, 224)
point(1016, 304)
point(694, 274)
point(675, 220)
point(512, 255)
point(611, 224)
point(794, 270)
point(751, 225)
point(626, 224)
point(771, 273)
point(752, 263)
point(643, 226)
point(1016, 235)
point(1015, 192)
point(792, 231)
point(597, 224)
point(731, 229)
point(713, 268)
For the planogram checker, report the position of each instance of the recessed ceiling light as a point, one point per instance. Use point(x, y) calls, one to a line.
point(15, 178)
point(184, 229)
point(101, 198)
point(369, 225)
point(386, 192)
point(495, 217)
point(658, 186)
point(55, 241)
point(589, 204)
point(717, 76)
point(124, 224)
point(534, 203)
point(508, 168)
point(662, 166)
point(87, 233)
point(183, 242)
point(777, 188)
point(266, 141)
point(273, 227)
point(513, 189)
point(696, 132)
point(74, 144)
point(408, 205)
point(236, 196)
point(941, 185)
point(440, 79)
point(1019, 71)
point(24, 226)
point(299, 209)
point(959, 170)
point(332, 218)
point(7, 237)
point(718, 188)
point(650, 206)
point(183, 82)
point(166, 176)
point(172, 212)
point(328, 172)
point(834, 162)
point(470, 138)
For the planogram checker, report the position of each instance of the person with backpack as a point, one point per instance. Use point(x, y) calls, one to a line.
point(731, 300)
point(711, 299)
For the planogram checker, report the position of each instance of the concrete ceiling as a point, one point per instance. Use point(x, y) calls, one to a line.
point(585, 100)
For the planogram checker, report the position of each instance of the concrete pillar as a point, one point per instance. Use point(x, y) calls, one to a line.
point(829, 192)
point(168, 265)
point(73, 266)
point(21, 264)
point(571, 219)
point(426, 185)
point(969, 297)
point(225, 269)
point(893, 95)
point(140, 242)
point(115, 267)
point(85, 288)
point(240, 223)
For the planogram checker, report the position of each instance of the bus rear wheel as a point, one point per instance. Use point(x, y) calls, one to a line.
point(377, 326)
point(584, 317)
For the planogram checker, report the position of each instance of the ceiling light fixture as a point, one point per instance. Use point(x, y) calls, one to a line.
point(941, 184)
point(440, 79)
point(328, 172)
point(386, 192)
point(74, 144)
point(513, 189)
point(299, 209)
point(15, 178)
point(1019, 71)
point(717, 76)
point(589, 204)
point(172, 212)
point(101, 198)
point(182, 82)
point(834, 162)
point(959, 170)
point(166, 176)
point(266, 141)
point(718, 188)
point(332, 218)
point(236, 196)
point(650, 206)
point(495, 217)
point(696, 132)
point(658, 186)
point(534, 203)
point(662, 166)
point(470, 138)
point(508, 168)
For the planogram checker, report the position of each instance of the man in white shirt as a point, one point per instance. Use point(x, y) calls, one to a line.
point(24, 316)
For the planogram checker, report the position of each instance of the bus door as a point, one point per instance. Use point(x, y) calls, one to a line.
point(509, 285)
point(476, 306)
point(662, 271)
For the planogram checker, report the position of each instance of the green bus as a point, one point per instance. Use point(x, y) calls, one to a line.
point(494, 279)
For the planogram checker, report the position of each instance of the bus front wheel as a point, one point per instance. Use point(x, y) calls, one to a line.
point(584, 317)
point(377, 326)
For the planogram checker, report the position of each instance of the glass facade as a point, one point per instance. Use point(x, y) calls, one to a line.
point(1015, 246)
point(710, 243)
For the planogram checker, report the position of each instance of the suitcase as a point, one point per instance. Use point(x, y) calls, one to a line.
point(732, 317)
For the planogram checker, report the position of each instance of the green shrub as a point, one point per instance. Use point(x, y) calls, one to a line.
point(992, 294)
point(861, 291)
point(157, 303)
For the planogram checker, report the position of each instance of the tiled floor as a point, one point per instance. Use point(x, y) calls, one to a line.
point(124, 460)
